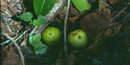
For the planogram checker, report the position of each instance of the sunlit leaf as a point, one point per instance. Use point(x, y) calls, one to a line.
point(35, 23)
point(81, 5)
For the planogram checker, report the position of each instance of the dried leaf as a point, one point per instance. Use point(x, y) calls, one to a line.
point(60, 62)
point(113, 1)
point(102, 4)
point(98, 27)
point(72, 58)
point(11, 58)
point(72, 19)
point(94, 23)
point(3, 3)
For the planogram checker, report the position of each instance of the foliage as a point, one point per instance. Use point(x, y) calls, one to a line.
point(42, 7)
point(28, 17)
point(41, 19)
point(81, 5)
point(39, 47)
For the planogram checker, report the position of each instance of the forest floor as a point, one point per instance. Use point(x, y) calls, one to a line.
point(106, 24)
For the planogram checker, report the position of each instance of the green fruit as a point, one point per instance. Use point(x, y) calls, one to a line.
point(77, 39)
point(51, 35)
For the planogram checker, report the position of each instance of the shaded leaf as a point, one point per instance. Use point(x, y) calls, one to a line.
point(26, 16)
point(40, 49)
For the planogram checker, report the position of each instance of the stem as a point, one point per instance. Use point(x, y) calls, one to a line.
point(65, 32)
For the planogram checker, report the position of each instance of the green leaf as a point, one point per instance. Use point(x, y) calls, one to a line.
point(39, 47)
point(42, 7)
point(41, 20)
point(38, 6)
point(31, 39)
point(26, 16)
point(81, 5)
point(35, 39)
point(35, 23)
point(48, 6)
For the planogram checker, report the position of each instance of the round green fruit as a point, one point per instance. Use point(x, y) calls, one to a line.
point(51, 35)
point(77, 39)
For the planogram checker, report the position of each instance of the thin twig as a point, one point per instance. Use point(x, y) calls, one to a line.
point(16, 37)
point(16, 45)
point(24, 9)
point(120, 12)
point(124, 18)
point(65, 31)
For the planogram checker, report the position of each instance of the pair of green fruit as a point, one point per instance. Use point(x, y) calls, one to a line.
point(77, 38)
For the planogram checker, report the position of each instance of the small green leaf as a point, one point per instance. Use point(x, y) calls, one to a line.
point(81, 5)
point(30, 23)
point(39, 47)
point(35, 23)
point(26, 16)
point(41, 20)
point(31, 39)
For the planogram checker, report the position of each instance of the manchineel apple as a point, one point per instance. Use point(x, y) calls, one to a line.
point(77, 39)
point(51, 35)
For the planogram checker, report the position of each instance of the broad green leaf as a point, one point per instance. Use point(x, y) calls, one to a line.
point(81, 5)
point(38, 6)
point(35, 23)
point(48, 6)
point(41, 49)
point(42, 7)
point(26, 16)
point(41, 20)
